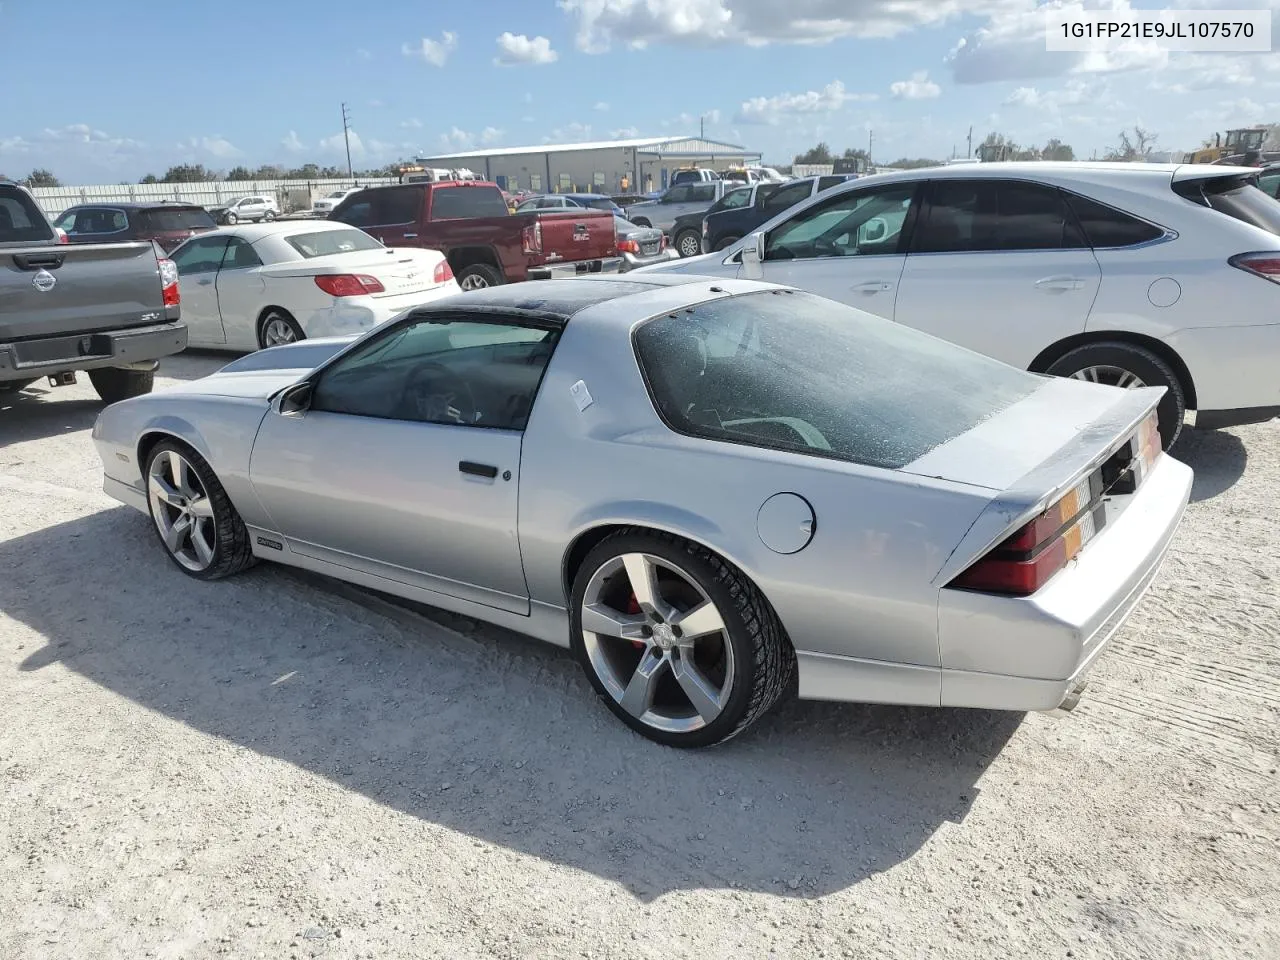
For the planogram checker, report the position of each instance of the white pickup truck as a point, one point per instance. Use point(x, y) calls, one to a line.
point(109, 309)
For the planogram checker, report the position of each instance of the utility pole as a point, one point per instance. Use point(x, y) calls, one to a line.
point(346, 136)
point(702, 127)
point(970, 153)
point(870, 140)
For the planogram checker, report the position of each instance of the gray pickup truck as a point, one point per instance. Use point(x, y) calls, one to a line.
point(109, 309)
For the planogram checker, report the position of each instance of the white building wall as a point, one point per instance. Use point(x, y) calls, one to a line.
point(578, 171)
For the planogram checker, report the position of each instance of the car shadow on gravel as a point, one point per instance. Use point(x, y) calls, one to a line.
point(1217, 457)
point(491, 735)
point(37, 413)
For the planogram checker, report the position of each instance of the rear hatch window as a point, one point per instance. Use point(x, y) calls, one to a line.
point(1237, 196)
point(176, 219)
point(463, 203)
point(791, 371)
point(20, 219)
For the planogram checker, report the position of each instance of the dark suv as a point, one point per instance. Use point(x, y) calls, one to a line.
point(168, 223)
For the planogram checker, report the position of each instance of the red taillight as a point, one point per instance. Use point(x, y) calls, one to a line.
point(169, 282)
point(349, 284)
point(532, 235)
point(1265, 265)
point(1024, 562)
point(62, 235)
point(444, 272)
point(628, 246)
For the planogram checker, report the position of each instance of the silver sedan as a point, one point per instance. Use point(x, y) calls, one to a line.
point(705, 488)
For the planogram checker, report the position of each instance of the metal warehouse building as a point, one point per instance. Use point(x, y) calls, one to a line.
point(607, 166)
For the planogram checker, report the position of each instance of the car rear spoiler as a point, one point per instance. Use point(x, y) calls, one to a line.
point(1045, 484)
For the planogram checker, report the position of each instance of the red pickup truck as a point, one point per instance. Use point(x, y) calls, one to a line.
point(486, 244)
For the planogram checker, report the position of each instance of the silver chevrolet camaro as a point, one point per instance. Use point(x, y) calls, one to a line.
point(707, 489)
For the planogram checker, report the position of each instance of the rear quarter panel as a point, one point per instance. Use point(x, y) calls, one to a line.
point(861, 588)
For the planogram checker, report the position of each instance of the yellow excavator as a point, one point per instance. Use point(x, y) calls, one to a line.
point(1241, 147)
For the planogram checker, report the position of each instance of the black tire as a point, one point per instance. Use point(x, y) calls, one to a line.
point(764, 659)
point(642, 222)
point(276, 314)
point(1149, 368)
point(726, 243)
point(692, 239)
point(114, 384)
point(268, 216)
point(231, 551)
point(477, 276)
point(230, 219)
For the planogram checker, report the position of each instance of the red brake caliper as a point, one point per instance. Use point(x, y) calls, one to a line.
point(633, 607)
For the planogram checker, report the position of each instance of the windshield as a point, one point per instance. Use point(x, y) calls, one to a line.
point(337, 194)
point(792, 371)
point(325, 243)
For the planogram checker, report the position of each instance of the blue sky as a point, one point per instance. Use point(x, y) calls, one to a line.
point(108, 90)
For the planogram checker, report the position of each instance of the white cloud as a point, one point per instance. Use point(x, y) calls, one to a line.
point(570, 133)
point(602, 107)
point(640, 23)
point(773, 110)
point(712, 116)
point(292, 143)
point(337, 144)
point(456, 140)
point(919, 87)
point(216, 146)
point(515, 49)
point(377, 104)
point(434, 52)
point(490, 135)
point(413, 123)
point(624, 133)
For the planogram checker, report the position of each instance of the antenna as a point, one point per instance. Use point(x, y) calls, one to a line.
point(346, 136)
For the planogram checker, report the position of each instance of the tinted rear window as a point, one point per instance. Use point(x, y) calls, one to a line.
point(20, 219)
point(460, 203)
point(1237, 197)
point(182, 218)
point(792, 371)
point(1106, 227)
point(324, 243)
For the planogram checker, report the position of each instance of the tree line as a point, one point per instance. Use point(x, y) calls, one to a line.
point(198, 173)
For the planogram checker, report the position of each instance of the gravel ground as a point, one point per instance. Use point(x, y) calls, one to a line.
point(275, 766)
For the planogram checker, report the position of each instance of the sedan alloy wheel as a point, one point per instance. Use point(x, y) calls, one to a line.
point(182, 511)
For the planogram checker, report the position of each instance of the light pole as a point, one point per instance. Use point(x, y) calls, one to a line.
point(346, 136)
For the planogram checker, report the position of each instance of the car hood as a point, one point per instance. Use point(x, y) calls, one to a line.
point(260, 375)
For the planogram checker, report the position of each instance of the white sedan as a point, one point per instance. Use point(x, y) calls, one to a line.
point(259, 285)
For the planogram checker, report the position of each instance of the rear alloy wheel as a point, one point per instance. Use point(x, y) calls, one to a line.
point(114, 384)
point(679, 645)
point(689, 243)
point(478, 276)
point(1130, 367)
point(277, 328)
point(200, 529)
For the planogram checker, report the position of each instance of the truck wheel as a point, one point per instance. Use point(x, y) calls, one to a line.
point(477, 276)
point(689, 243)
point(114, 384)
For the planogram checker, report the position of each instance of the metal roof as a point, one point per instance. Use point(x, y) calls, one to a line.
point(652, 144)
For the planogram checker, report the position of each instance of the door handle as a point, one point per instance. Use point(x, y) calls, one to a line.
point(873, 286)
point(38, 261)
point(411, 236)
point(1059, 283)
point(478, 469)
point(204, 283)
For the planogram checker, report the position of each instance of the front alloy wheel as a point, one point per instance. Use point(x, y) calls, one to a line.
point(681, 646)
point(182, 511)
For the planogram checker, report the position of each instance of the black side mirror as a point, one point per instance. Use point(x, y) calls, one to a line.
point(297, 398)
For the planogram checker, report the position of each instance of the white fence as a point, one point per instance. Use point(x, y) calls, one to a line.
point(290, 194)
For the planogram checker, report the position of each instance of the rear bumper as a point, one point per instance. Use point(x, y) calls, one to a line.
point(632, 262)
point(1027, 653)
point(579, 268)
point(28, 359)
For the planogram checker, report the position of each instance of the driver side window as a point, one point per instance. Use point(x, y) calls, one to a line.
point(857, 223)
point(456, 372)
